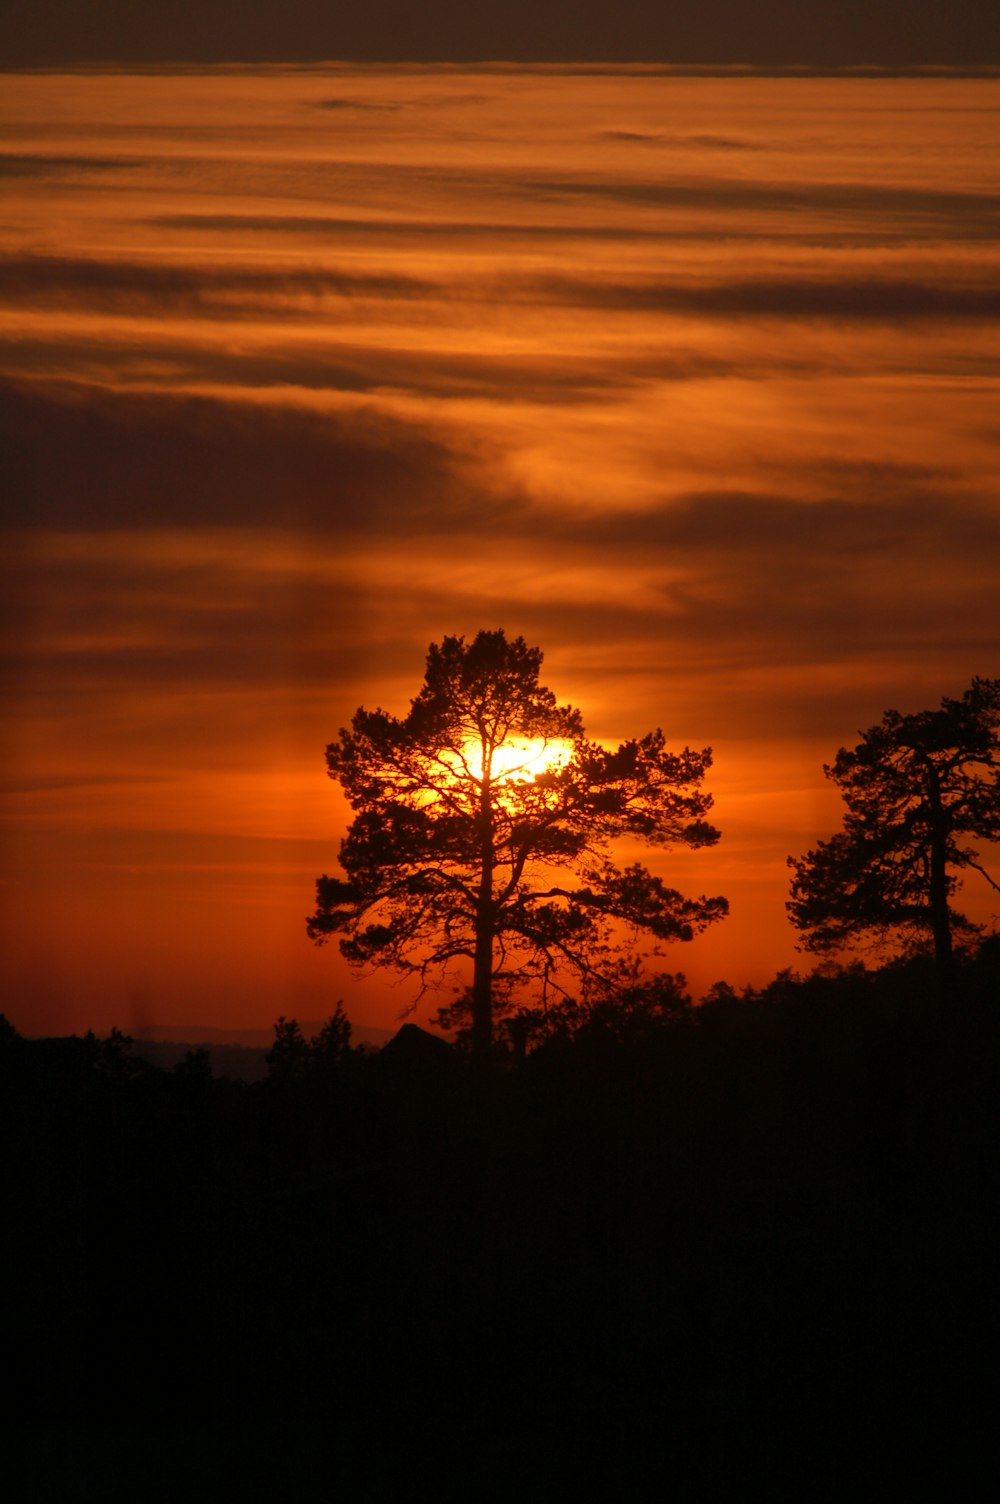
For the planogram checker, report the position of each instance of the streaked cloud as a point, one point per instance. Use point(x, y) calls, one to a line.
point(17, 164)
point(167, 288)
point(224, 292)
point(921, 210)
point(83, 460)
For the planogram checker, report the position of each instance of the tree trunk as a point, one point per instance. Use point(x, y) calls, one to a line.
point(940, 917)
point(938, 892)
point(482, 978)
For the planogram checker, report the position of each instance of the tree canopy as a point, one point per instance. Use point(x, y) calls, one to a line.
point(483, 831)
point(917, 788)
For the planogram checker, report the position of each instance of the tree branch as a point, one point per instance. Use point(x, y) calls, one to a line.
point(983, 872)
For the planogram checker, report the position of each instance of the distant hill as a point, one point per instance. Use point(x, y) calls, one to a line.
point(213, 1034)
point(240, 1054)
point(239, 1062)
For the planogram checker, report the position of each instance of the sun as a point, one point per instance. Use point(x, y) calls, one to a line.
point(522, 758)
point(518, 759)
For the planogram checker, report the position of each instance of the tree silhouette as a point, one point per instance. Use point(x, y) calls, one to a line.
point(483, 829)
point(332, 1045)
point(288, 1057)
point(292, 1056)
point(629, 1003)
point(916, 787)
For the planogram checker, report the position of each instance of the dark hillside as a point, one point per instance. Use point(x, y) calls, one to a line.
point(758, 1240)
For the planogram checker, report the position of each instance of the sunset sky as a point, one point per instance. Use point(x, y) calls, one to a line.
point(690, 377)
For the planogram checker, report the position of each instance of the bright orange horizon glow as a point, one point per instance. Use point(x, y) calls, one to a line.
point(692, 382)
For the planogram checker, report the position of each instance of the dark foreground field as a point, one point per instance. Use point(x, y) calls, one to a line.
point(750, 1251)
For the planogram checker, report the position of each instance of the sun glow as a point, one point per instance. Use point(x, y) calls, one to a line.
point(519, 759)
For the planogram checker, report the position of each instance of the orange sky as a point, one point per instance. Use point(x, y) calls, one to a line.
point(691, 381)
